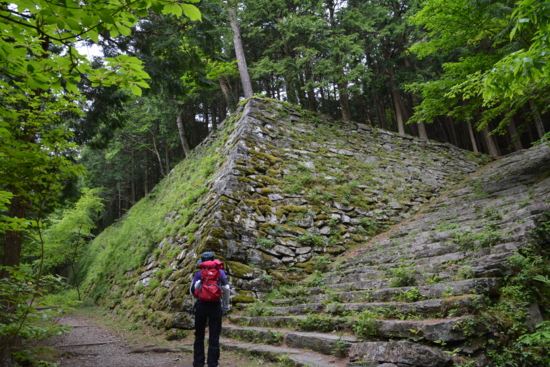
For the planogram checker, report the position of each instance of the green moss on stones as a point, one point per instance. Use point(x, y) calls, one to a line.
point(239, 270)
point(243, 297)
point(268, 180)
point(217, 232)
point(307, 267)
point(283, 210)
point(265, 157)
point(246, 170)
point(246, 180)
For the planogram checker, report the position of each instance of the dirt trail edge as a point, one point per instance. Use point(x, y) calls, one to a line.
point(93, 344)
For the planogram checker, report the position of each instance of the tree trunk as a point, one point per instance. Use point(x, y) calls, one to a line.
point(13, 239)
point(491, 146)
point(157, 153)
point(312, 103)
point(396, 103)
point(166, 158)
point(452, 130)
point(472, 136)
point(183, 139)
point(514, 136)
point(133, 186)
point(422, 130)
point(398, 116)
point(538, 120)
point(146, 174)
point(344, 100)
point(227, 95)
point(239, 52)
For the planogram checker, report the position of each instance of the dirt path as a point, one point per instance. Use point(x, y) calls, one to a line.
point(92, 344)
point(99, 338)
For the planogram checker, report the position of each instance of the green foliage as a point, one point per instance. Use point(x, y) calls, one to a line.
point(125, 246)
point(366, 324)
point(266, 243)
point(315, 279)
point(69, 232)
point(321, 263)
point(19, 316)
point(310, 240)
point(535, 347)
point(369, 225)
point(324, 323)
point(258, 308)
point(500, 79)
point(402, 277)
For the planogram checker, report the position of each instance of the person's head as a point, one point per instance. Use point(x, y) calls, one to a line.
point(206, 256)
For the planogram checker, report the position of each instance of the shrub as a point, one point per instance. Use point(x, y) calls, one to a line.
point(310, 240)
point(266, 243)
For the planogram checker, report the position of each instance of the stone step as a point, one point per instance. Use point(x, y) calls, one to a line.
point(291, 357)
point(494, 258)
point(420, 257)
point(432, 330)
point(513, 227)
point(487, 286)
point(483, 267)
point(329, 344)
point(440, 307)
point(429, 243)
point(400, 353)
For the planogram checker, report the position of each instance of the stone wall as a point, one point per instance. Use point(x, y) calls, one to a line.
point(294, 190)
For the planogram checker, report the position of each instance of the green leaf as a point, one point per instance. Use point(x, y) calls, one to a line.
point(192, 12)
point(94, 36)
point(73, 24)
point(87, 20)
point(136, 90)
point(106, 17)
point(157, 6)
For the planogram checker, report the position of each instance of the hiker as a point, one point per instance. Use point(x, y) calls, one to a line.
point(208, 286)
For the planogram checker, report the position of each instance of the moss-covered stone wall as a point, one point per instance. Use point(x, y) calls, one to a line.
point(282, 192)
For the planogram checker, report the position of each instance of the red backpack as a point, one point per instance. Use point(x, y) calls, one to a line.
point(209, 289)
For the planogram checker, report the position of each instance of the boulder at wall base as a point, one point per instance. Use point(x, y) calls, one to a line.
point(183, 320)
point(410, 354)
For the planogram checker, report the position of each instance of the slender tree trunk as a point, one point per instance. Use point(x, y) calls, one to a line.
point(490, 142)
point(183, 139)
point(227, 95)
point(133, 185)
point(13, 239)
point(452, 130)
point(422, 130)
point(396, 102)
point(344, 101)
point(119, 201)
point(312, 103)
point(167, 158)
point(301, 90)
point(398, 116)
point(538, 120)
point(514, 136)
point(472, 136)
point(146, 174)
point(157, 153)
point(239, 52)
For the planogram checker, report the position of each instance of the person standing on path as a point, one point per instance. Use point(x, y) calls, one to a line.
point(207, 286)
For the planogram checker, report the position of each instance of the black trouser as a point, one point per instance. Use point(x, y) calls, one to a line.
point(211, 311)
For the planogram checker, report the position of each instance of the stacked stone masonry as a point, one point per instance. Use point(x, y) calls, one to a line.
point(295, 187)
point(451, 255)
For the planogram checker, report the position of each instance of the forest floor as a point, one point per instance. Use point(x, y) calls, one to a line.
point(99, 338)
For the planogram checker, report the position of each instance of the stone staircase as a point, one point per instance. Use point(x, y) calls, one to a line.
point(411, 296)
